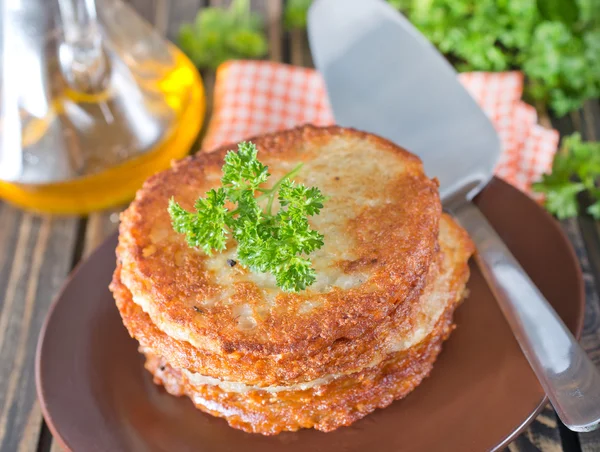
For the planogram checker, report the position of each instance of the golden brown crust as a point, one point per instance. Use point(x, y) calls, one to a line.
point(327, 407)
point(445, 281)
point(394, 244)
point(391, 272)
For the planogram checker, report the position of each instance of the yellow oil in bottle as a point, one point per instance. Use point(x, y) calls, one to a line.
point(118, 175)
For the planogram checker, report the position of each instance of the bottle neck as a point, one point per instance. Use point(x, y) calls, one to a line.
point(82, 57)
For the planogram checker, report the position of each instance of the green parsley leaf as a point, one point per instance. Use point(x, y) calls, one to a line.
point(575, 169)
point(552, 41)
point(220, 34)
point(242, 171)
point(278, 243)
point(205, 228)
point(561, 199)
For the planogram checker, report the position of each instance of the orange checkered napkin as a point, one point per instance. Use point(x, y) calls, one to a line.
point(254, 97)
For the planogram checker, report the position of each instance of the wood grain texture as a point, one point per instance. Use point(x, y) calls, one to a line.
point(591, 118)
point(208, 79)
point(590, 340)
point(37, 253)
point(299, 49)
point(587, 121)
point(181, 12)
point(161, 16)
point(273, 17)
point(55, 447)
point(542, 435)
point(99, 226)
point(145, 8)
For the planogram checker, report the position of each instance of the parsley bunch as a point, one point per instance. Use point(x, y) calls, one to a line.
point(220, 34)
point(556, 43)
point(277, 243)
point(575, 169)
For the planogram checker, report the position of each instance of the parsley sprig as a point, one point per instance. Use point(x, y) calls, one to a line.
point(575, 169)
point(277, 243)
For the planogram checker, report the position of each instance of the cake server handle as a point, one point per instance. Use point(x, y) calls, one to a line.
point(570, 379)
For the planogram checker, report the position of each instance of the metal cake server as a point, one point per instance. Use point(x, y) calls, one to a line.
point(384, 77)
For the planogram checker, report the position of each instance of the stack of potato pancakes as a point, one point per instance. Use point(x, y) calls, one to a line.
point(389, 276)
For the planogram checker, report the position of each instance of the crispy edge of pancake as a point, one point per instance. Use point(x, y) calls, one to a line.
point(345, 315)
point(341, 357)
point(326, 407)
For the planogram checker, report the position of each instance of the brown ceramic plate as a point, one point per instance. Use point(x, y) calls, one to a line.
point(96, 395)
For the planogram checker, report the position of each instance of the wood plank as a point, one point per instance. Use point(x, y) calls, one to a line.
point(590, 340)
point(590, 442)
point(208, 78)
point(577, 120)
point(564, 125)
point(274, 29)
point(541, 436)
point(591, 118)
point(99, 226)
point(56, 447)
point(31, 432)
point(591, 229)
point(161, 16)
point(181, 12)
point(299, 49)
point(10, 219)
point(296, 47)
point(260, 7)
point(145, 8)
point(577, 230)
point(588, 249)
point(39, 261)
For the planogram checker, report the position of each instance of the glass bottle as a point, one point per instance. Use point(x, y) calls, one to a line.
point(92, 102)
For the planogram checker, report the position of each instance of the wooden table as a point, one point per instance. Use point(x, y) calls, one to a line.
point(37, 252)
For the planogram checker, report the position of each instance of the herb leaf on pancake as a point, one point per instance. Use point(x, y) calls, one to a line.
point(268, 243)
